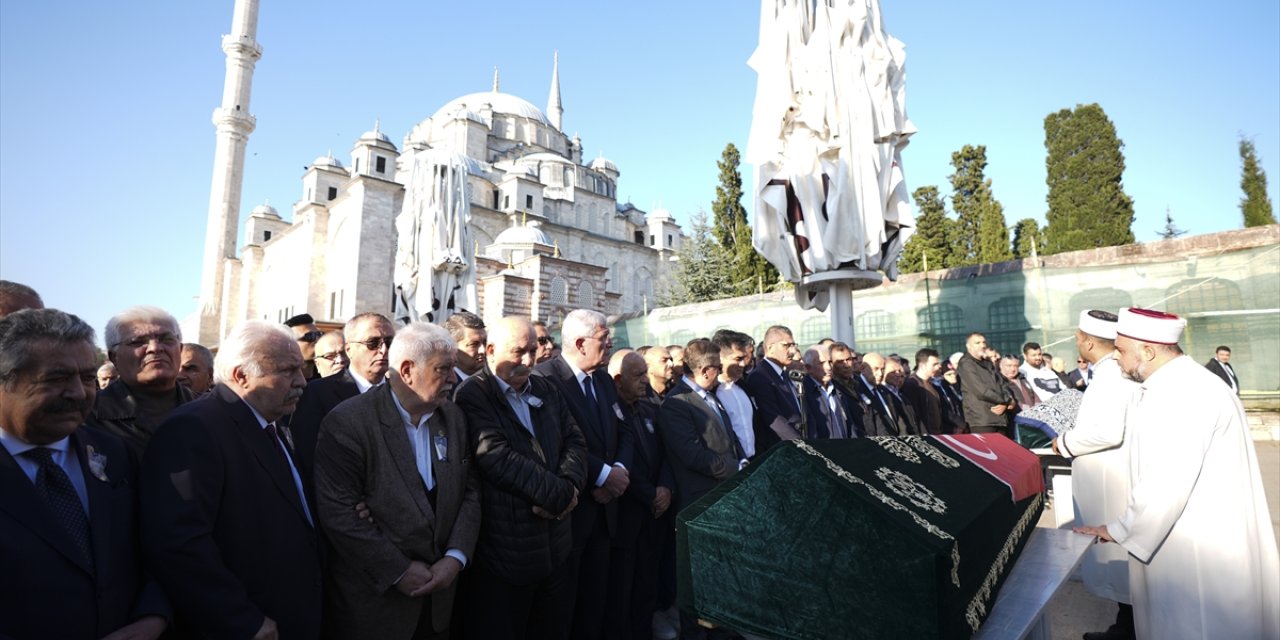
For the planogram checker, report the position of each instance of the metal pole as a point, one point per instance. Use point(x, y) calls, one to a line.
point(841, 306)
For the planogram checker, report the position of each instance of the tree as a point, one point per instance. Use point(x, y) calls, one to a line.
point(748, 268)
point(1255, 205)
point(701, 272)
point(932, 236)
point(1170, 230)
point(1027, 238)
point(1088, 207)
point(980, 234)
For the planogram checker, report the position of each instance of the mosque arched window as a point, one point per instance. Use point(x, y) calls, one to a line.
point(559, 291)
point(586, 295)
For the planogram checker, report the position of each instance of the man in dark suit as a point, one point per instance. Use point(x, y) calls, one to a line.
point(580, 373)
point(827, 413)
point(895, 375)
point(1079, 377)
point(68, 508)
point(698, 438)
point(531, 459)
point(880, 415)
point(368, 341)
point(642, 510)
point(401, 450)
point(924, 398)
point(1220, 365)
point(777, 416)
point(226, 528)
point(986, 396)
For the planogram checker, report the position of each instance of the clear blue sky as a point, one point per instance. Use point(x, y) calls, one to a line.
point(106, 146)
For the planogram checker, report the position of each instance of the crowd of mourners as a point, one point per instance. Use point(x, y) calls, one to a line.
point(420, 481)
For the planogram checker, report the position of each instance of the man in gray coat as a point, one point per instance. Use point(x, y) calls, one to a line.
point(402, 450)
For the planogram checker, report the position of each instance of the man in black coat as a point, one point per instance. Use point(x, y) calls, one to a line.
point(368, 343)
point(882, 412)
point(986, 396)
point(580, 373)
point(531, 459)
point(642, 510)
point(827, 407)
point(226, 528)
point(777, 416)
point(68, 573)
point(1220, 365)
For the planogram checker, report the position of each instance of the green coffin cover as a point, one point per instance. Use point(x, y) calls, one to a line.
point(895, 537)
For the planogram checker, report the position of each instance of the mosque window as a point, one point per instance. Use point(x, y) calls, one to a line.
point(495, 198)
point(333, 192)
point(266, 235)
point(813, 330)
point(942, 327)
point(652, 242)
point(873, 331)
point(559, 291)
point(381, 166)
point(528, 201)
point(1007, 321)
point(1208, 305)
point(586, 295)
point(639, 237)
point(506, 202)
point(668, 241)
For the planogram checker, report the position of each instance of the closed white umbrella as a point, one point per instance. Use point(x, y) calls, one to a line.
point(827, 132)
point(434, 272)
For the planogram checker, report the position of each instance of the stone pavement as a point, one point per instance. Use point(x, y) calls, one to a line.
point(1074, 611)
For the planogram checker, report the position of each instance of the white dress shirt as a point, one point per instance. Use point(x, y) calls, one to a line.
point(738, 405)
point(63, 455)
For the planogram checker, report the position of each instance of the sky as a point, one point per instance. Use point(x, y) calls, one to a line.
point(106, 144)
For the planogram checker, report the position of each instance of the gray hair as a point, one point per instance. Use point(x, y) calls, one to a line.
point(20, 328)
point(813, 355)
point(245, 348)
point(416, 342)
point(201, 351)
point(355, 321)
point(581, 323)
point(141, 313)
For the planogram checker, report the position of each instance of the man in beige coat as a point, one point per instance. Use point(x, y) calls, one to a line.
point(400, 449)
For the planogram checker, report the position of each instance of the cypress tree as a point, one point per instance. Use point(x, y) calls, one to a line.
point(933, 234)
point(1026, 234)
point(980, 235)
point(1255, 205)
point(731, 230)
point(1088, 207)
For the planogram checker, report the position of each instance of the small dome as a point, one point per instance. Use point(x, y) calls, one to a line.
point(604, 164)
point(526, 234)
point(327, 161)
point(265, 210)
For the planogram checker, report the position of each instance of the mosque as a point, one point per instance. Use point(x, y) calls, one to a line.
point(549, 233)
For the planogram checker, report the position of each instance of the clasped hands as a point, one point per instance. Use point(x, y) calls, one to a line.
point(420, 580)
point(543, 513)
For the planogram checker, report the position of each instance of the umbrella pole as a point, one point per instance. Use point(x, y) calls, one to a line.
point(840, 294)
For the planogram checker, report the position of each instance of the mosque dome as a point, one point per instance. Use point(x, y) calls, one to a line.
point(604, 164)
point(528, 233)
point(265, 210)
point(376, 138)
point(327, 161)
point(499, 102)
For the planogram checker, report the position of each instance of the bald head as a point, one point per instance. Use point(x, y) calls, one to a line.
point(630, 374)
point(894, 373)
point(873, 369)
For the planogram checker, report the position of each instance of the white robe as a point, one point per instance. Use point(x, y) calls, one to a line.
point(1100, 474)
point(1204, 562)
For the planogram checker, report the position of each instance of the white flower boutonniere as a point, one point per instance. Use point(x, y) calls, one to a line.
point(97, 463)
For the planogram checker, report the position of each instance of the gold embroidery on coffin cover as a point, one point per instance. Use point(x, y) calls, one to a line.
point(897, 447)
point(894, 504)
point(903, 485)
point(978, 606)
point(932, 452)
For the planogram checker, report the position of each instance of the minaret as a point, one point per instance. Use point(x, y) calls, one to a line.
point(233, 124)
point(555, 112)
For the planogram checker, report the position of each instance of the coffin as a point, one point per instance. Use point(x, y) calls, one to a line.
point(895, 537)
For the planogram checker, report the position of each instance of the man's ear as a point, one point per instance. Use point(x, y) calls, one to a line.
point(406, 371)
point(239, 377)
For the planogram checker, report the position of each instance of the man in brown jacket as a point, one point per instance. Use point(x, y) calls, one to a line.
point(402, 450)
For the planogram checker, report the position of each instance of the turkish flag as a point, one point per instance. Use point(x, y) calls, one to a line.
point(1001, 457)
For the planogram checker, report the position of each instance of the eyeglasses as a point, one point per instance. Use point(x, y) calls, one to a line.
point(373, 344)
point(545, 340)
point(332, 357)
point(1079, 361)
point(138, 342)
point(310, 336)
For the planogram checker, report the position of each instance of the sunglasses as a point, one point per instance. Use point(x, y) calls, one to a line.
point(373, 344)
point(545, 340)
point(310, 336)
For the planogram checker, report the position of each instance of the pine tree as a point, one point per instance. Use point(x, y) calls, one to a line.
point(1255, 205)
point(1026, 234)
point(748, 269)
point(932, 236)
point(1088, 207)
point(980, 234)
point(1170, 230)
point(701, 271)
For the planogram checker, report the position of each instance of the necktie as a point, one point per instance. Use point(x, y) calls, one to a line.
point(589, 391)
point(279, 446)
point(54, 487)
